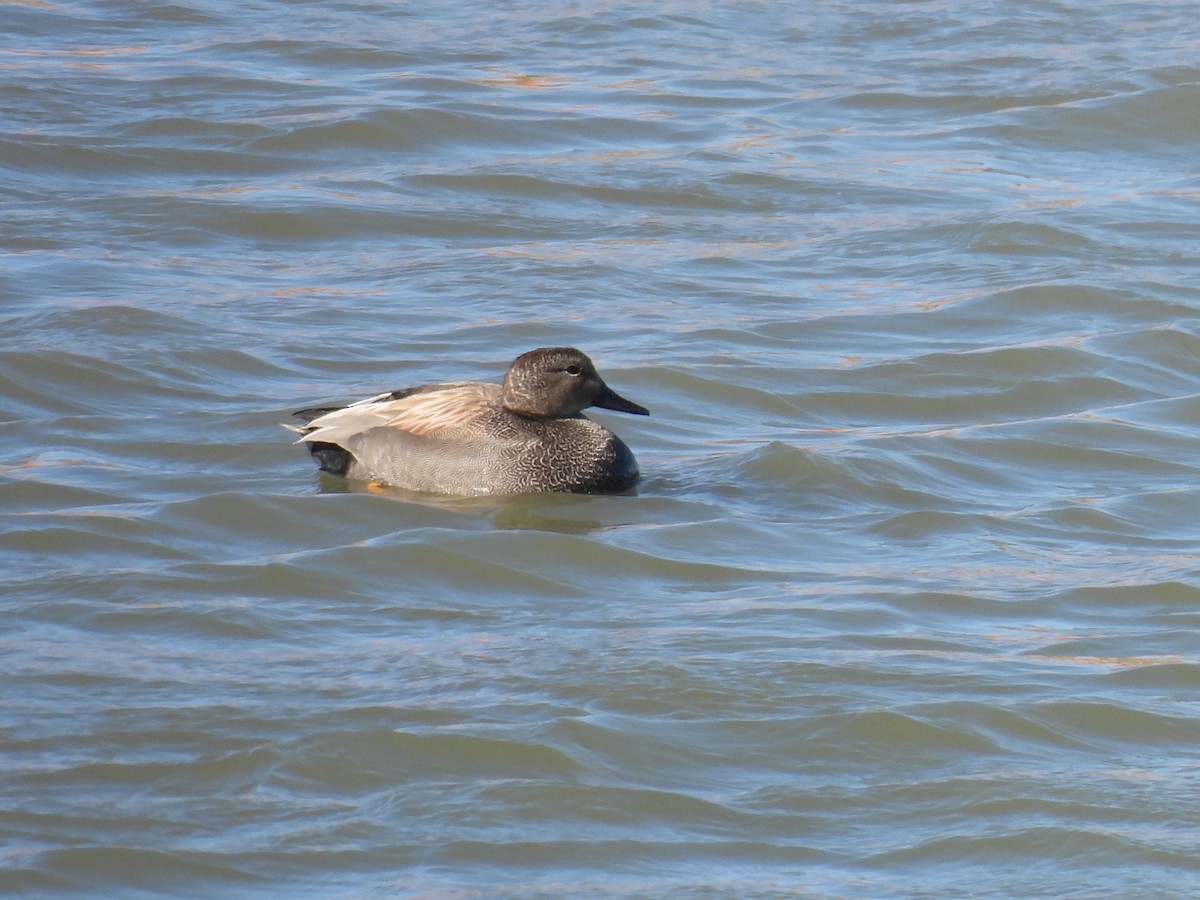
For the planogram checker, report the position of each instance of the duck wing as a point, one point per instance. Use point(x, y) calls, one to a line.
point(424, 411)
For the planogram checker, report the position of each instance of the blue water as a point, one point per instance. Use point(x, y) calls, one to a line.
point(906, 603)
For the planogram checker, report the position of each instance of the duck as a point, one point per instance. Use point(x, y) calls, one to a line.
point(470, 438)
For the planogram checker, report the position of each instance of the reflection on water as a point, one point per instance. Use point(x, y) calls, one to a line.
point(568, 513)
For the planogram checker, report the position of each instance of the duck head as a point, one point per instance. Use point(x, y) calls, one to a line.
point(559, 382)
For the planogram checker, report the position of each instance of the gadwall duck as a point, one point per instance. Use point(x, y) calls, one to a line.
point(471, 437)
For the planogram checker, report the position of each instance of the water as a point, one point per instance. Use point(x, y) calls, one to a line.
point(906, 604)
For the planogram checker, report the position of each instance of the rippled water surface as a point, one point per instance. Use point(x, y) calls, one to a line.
point(907, 601)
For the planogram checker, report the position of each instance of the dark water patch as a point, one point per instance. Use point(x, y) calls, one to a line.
point(364, 761)
point(222, 774)
point(778, 464)
point(146, 154)
point(465, 125)
point(326, 587)
point(589, 806)
point(1053, 339)
point(441, 568)
point(1065, 450)
point(375, 60)
point(234, 619)
point(79, 545)
point(1156, 122)
point(1167, 355)
point(1056, 804)
point(87, 325)
point(1145, 600)
point(1021, 238)
point(267, 525)
point(924, 525)
point(1113, 725)
point(314, 217)
point(1168, 416)
point(611, 678)
point(1019, 848)
point(900, 738)
point(26, 490)
point(1012, 729)
point(1172, 676)
point(69, 384)
point(1068, 308)
point(1084, 521)
point(765, 553)
point(1130, 648)
point(720, 401)
point(950, 607)
point(192, 600)
point(969, 399)
point(527, 189)
point(627, 859)
point(120, 868)
point(307, 218)
point(678, 756)
point(572, 516)
point(1007, 364)
point(951, 105)
point(578, 561)
point(875, 475)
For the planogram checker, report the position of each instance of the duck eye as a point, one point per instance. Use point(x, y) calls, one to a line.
point(574, 371)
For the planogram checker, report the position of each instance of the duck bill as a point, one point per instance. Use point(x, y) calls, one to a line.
point(610, 399)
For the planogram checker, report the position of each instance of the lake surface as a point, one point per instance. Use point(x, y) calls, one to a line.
point(906, 604)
